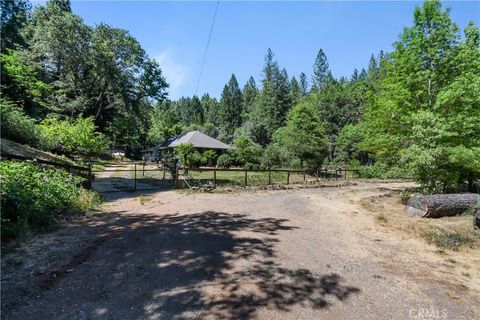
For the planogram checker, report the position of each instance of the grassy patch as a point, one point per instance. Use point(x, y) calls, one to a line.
point(444, 239)
point(144, 198)
point(381, 218)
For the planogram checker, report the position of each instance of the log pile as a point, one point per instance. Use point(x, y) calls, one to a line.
point(441, 205)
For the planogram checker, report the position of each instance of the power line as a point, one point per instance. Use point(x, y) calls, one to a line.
point(206, 48)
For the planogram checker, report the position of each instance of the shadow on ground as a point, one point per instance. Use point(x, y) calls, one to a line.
point(205, 265)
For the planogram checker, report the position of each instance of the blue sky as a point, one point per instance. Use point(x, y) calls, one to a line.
point(175, 34)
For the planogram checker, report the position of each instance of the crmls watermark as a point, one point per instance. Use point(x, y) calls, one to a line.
point(427, 313)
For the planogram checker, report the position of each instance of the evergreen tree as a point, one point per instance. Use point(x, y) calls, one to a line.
point(295, 91)
point(274, 101)
point(303, 84)
point(14, 17)
point(372, 67)
point(355, 75)
point(230, 112)
point(320, 71)
point(249, 93)
point(210, 109)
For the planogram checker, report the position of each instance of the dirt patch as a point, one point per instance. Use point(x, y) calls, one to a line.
point(288, 254)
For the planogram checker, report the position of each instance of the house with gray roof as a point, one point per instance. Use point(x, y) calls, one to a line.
point(197, 139)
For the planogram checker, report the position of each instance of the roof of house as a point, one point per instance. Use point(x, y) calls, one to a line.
point(197, 139)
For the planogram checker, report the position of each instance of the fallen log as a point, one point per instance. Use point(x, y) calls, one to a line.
point(476, 213)
point(440, 205)
point(476, 219)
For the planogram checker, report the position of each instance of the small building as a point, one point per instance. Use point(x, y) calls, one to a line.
point(197, 139)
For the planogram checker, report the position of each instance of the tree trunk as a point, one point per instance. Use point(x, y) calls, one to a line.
point(440, 205)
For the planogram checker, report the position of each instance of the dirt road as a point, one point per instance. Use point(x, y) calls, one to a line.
point(299, 254)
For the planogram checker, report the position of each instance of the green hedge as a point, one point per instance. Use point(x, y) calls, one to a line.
point(32, 196)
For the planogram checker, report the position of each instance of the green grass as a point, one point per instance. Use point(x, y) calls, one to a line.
point(236, 178)
point(444, 239)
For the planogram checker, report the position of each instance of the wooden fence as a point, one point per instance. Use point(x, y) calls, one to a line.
point(324, 173)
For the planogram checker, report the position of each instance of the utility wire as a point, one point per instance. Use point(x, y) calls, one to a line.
point(206, 48)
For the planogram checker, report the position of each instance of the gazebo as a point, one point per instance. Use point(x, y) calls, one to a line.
point(197, 139)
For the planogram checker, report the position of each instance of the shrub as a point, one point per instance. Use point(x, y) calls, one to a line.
point(17, 126)
point(73, 136)
point(34, 197)
point(247, 151)
point(225, 161)
point(382, 171)
point(275, 156)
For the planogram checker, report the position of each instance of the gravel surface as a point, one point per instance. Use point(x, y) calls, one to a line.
point(294, 254)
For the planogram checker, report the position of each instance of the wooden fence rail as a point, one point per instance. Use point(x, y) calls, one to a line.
point(337, 173)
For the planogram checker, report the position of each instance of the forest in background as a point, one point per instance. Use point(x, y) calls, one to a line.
point(76, 89)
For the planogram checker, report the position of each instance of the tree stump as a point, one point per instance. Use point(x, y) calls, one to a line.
point(440, 205)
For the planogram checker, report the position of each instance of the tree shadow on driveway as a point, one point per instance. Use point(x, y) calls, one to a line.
point(203, 265)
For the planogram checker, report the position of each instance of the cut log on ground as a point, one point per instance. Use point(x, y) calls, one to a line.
point(440, 205)
point(476, 219)
point(476, 213)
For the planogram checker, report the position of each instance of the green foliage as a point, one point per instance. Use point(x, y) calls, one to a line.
point(304, 135)
point(225, 161)
point(230, 109)
point(73, 136)
point(275, 155)
point(382, 171)
point(35, 197)
point(189, 156)
point(17, 126)
point(425, 114)
point(347, 144)
point(246, 151)
point(20, 82)
point(321, 71)
point(273, 103)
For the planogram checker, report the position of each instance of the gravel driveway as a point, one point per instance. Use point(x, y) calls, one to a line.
point(299, 254)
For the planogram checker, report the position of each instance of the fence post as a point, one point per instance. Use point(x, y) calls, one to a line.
point(304, 176)
point(270, 177)
point(143, 169)
point(245, 180)
point(176, 177)
point(288, 177)
point(135, 179)
point(336, 173)
point(214, 176)
point(318, 175)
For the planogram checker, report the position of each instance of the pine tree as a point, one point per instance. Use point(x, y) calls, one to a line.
point(303, 84)
point(372, 67)
point(295, 91)
point(320, 71)
point(250, 93)
point(230, 111)
point(355, 75)
point(274, 101)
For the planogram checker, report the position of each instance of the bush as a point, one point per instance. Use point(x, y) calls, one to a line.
point(196, 159)
point(275, 156)
point(225, 161)
point(73, 136)
point(382, 171)
point(17, 126)
point(34, 197)
point(246, 151)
